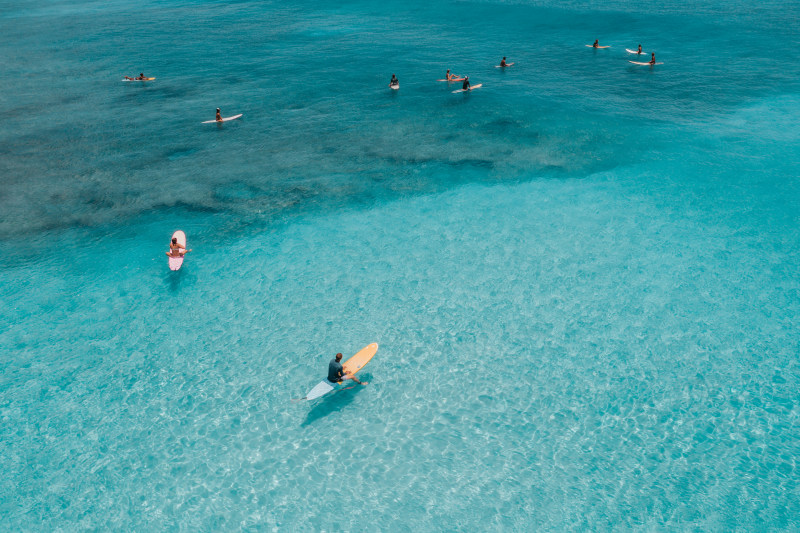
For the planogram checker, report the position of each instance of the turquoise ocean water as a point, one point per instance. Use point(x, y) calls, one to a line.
point(583, 277)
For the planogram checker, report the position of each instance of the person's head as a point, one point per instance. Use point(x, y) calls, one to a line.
point(653, 54)
point(217, 110)
point(504, 58)
point(174, 240)
point(466, 77)
point(338, 357)
point(448, 70)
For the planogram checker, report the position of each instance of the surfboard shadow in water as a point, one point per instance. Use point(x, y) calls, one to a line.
point(174, 277)
point(334, 401)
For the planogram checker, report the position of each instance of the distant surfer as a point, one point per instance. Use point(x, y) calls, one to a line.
point(465, 85)
point(653, 59)
point(639, 51)
point(219, 117)
point(596, 43)
point(336, 373)
point(175, 249)
point(394, 81)
point(503, 62)
point(139, 78)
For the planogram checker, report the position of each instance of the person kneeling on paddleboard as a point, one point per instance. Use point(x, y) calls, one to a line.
point(465, 85)
point(336, 372)
point(175, 249)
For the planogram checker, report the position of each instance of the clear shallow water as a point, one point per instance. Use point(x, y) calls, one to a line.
point(583, 277)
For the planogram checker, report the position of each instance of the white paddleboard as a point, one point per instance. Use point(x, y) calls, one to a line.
point(176, 262)
point(593, 46)
point(471, 88)
point(636, 52)
point(646, 64)
point(226, 119)
point(503, 66)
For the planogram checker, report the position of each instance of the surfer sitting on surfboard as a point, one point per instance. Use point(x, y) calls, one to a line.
point(596, 43)
point(639, 50)
point(394, 81)
point(465, 85)
point(449, 76)
point(219, 117)
point(652, 58)
point(503, 62)
point(336, 372)
point(175, 249)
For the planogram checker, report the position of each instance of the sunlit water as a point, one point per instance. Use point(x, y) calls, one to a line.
point(583, 277)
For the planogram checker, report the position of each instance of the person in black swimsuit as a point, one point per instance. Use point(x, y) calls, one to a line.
point(465, 85)
point(336, 372)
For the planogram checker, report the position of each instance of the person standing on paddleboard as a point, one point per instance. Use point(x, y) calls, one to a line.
point(175, 249)
point(336, 372)
point(465, 85)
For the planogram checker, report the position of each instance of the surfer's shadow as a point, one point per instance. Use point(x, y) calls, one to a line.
point(174, 279)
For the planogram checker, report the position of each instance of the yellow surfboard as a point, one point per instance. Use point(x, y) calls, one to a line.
point(360, 360)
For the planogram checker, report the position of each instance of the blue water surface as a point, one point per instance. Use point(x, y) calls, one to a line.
point(583, 277)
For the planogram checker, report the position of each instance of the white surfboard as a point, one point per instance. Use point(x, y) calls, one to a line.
point(395, 86)
point(471, 88)
point(176, 262)
point(636, 52)
point(645, 64)
point(226, 119)
point(593, 46)
point(137, 79)
point(503, 66)
point(320, 389)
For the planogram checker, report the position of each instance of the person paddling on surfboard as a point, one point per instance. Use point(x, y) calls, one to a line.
point(653, 59)
point(175, 249)
point(336, 372)
point(394, 81)
point(465, 85)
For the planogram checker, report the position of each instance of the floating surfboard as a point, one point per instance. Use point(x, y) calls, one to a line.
point(143, 79)
point(640, 63)
point(635, 51)
point(351, 366)
point(226, 119)
point(453, 79)
point(471, 88)
point(503, 66)
point(593, 46)
point(176, 262)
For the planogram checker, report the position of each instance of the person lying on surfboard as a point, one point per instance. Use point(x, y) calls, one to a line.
point(394, 81)
point(175, 249)
point(465, 85)
point(139, 78)
point(336, 372)
point(503, 62)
